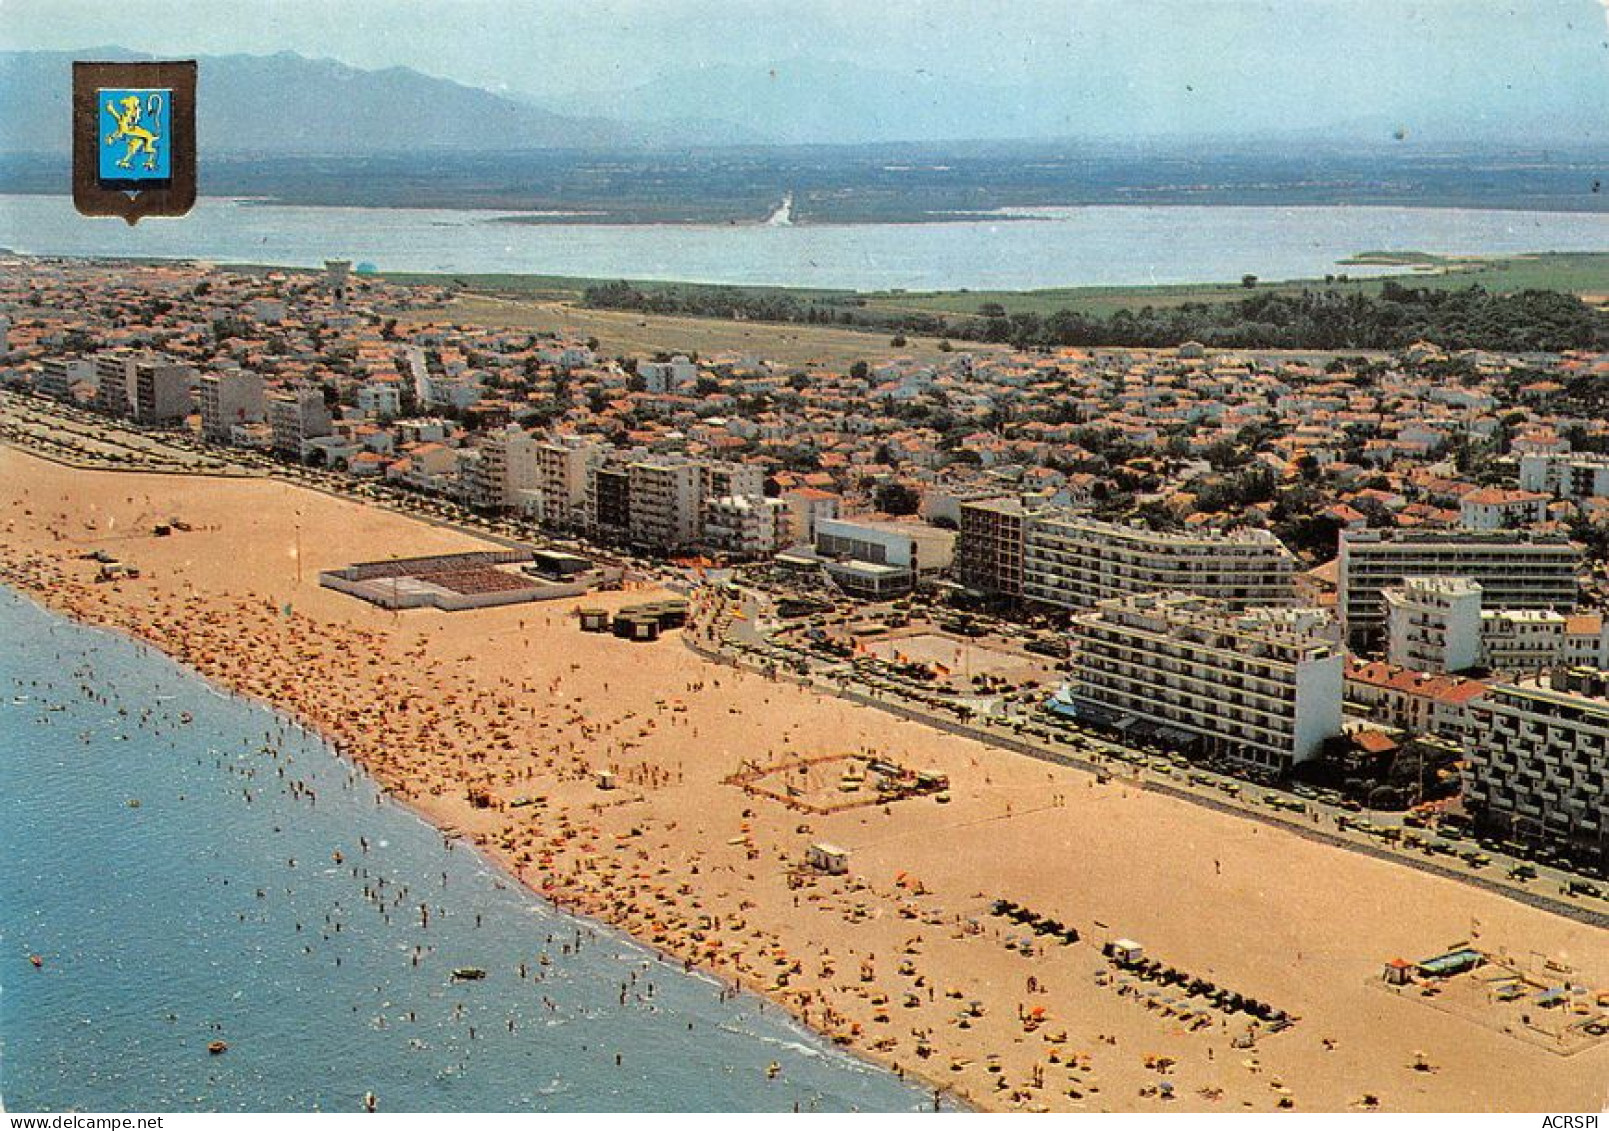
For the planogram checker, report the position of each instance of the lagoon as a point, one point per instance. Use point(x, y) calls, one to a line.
point(1097, 245)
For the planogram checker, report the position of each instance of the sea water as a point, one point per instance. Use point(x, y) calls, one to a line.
point(190, 868)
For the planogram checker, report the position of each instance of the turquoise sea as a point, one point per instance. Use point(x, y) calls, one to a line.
point(191, 867)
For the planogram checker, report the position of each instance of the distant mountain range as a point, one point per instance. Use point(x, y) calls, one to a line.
point(266, 105)
point(811, 101)
point(269, 105)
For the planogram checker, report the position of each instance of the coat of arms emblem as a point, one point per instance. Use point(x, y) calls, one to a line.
point(134, 139)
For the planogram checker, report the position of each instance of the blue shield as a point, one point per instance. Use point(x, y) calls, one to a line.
point(134, 136)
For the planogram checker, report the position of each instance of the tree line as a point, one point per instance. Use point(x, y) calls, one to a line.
point(1311, 318)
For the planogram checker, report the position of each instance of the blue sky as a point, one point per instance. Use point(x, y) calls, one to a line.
point(1154, 65)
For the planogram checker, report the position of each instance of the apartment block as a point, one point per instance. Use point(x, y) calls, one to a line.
point(676, 375)
point(1073, 562)
point(745, 526)
point(666, 498)
point(507, 471)
point(162, 392)
point(1566, 475)
point(295, 417)
point(1494, 508)
point(229, 399)
point(1515, 570)
point(806, 507)
point(1522, 640)
point(722, 479)
point(608, 502)
point(990, 547)
point(1538, 763)
point(1433, 624)
point(1586, 641)
point(114, 383)
point(1206, 678)
point(380, 400)
point(562, 466)
point(60, 374)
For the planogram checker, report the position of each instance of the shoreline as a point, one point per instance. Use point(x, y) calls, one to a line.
point(473, 701)
point(943, 1092)
point(1364, 269)
point(587, 215)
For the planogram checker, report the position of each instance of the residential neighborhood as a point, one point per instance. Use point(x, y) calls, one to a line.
point(1419, 538)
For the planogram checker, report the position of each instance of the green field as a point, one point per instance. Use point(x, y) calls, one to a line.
point(553, 303)
point(1582, 273)
point(627, 332)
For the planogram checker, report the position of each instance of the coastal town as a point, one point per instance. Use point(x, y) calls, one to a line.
point(898, 631)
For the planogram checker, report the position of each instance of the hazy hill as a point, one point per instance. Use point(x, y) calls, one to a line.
point(277, 104)
point(806, 100)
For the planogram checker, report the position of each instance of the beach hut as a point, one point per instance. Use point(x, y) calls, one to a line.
point(1127, 952)
point(606, 779)
point(1397, 972)
point(633, 624)
point(827, 858)
point(594, 619)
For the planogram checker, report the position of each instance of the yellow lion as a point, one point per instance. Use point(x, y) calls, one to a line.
point(140, 139)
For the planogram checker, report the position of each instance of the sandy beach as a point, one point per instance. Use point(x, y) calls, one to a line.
point(902, 959)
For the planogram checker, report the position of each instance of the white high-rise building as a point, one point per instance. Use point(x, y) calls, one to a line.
point(295, 417)
point(745, 526)
point(1433, 624)
point(508, 468)
point(673, 376)
point(230, 399)
point(1195, 673)
point(1567, 475)
point(1515, 570)
point(1073, 562)
point(1537, 769)
point(665, 506)
point(562, 463)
